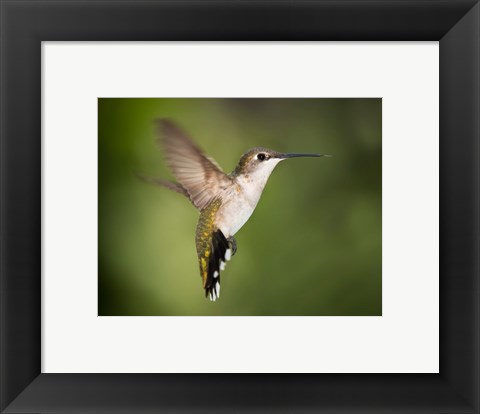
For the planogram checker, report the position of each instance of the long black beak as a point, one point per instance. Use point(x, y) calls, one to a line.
point(294, 155)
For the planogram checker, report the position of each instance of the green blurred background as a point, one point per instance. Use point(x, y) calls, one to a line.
point(314, 243)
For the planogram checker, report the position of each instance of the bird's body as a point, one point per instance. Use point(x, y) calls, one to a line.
point(225, 201)
point(239, 200)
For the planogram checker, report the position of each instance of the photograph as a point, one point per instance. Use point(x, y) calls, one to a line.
point(239, 206)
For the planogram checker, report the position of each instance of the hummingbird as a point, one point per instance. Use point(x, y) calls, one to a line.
point(225, 201)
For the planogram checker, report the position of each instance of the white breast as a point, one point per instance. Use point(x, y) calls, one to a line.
point(233, 215)
point(240, 204)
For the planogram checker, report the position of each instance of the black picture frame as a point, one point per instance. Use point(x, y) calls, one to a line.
point(25, 24)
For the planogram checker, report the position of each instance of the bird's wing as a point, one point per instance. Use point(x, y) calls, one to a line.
point(165, 183)
point(198, 174)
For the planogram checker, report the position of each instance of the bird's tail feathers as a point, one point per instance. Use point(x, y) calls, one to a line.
point(220, 253)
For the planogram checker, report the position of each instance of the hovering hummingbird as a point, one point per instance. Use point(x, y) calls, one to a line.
point(225, 201)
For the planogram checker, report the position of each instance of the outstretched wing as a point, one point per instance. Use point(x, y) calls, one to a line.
point(198, 174)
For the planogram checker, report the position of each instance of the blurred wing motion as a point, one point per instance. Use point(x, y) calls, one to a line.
point(164, 183)
point(198, 175)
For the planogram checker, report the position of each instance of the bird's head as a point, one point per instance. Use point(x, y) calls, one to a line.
point(259, 162)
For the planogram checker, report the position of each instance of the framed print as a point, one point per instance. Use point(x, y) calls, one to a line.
point(145, 267)
point(353, 283)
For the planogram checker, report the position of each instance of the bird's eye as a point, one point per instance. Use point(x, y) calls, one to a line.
point(261, 156)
